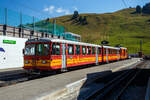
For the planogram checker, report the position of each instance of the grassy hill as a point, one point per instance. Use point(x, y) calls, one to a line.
point(121, 27)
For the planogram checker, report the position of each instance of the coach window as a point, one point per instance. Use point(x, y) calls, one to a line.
point(42, 49)
point(57, 49)
point(109, 51)
point(77, 50)
point(93, 50)
point(53, 49)
point(99, 50)
point(88, 50)
point(83, 50)
point(104, 51)
point(70, 49)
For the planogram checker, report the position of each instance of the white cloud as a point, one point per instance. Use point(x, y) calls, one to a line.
point(49, 9)
point(52, 9)
point(61, 10)
point(75, 8)
point(67, 12)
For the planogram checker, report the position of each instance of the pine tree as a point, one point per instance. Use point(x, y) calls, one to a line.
point(75, 15)
point(138, 9)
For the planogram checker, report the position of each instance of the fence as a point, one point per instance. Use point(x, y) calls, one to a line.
point(20, 20)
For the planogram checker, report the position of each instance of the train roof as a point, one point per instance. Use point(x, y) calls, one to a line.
point(123, 48)
point(60, 41)
point(74, 42)
point(73, 34)
point(117, 48)
point(69, 42)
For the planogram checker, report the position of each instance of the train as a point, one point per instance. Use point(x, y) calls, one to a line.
point(45, 54)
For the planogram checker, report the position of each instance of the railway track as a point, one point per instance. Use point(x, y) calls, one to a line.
point(116, 86)
point(14, 78)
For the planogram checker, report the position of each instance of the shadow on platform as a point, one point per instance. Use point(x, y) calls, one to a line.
point(98, 80)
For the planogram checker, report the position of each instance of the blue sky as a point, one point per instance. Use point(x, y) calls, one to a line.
point(55, 8)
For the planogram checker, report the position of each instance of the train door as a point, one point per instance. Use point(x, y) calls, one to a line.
point(96, 56)
point(56, 55)
point(107, 54)
point(29, 56)
point(118, 55)
point(63, 57)
point(42, 55)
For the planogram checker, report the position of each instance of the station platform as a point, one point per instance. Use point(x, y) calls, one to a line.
point(11, 69)
point(39, 88)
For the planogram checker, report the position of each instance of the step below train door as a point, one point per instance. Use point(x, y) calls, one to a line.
point(63, 59)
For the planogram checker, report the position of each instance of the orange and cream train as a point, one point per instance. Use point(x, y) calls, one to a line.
point(52, 54)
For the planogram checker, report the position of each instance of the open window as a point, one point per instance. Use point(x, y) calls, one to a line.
point(83, 50)
point(70, 49)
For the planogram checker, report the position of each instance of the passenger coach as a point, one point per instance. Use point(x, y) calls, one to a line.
point(52, 54)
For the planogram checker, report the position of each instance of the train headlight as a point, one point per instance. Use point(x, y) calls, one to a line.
point(26, 62)
point(43, 62)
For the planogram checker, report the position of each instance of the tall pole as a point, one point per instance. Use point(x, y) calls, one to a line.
point(141, 45)
point(54, 26)
point(5, 16)
point(20, 20)
point(5, 25)
point(33, 23)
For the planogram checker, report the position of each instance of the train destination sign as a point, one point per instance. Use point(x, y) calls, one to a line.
point(9, 41)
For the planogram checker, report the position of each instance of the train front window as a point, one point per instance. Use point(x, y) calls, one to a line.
point(30, 49)
point(42, 49)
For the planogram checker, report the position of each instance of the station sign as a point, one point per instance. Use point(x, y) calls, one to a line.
point(9, 41)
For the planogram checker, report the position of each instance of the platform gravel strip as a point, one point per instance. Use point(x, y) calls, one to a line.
point(40, 88)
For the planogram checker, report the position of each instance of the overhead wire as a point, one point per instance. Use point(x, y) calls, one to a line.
point(124, 3)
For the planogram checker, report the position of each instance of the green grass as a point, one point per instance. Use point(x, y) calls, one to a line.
point(120, 27)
